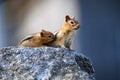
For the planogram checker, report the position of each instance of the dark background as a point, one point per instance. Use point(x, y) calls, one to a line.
point(100, 36)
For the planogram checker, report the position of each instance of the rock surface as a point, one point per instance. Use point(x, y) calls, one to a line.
point(45, 63)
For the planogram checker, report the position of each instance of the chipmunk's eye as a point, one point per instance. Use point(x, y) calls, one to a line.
point(49, 36)
point(72, 22)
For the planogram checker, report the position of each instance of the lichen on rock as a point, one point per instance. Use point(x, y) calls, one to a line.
point(44, 63)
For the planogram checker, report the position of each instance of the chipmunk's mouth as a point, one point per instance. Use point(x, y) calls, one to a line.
point(76, 28)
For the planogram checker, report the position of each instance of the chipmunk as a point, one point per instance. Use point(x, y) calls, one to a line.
point(38, 39)
point(65, 36)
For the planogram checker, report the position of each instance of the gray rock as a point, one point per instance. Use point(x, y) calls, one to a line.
point(45, 63)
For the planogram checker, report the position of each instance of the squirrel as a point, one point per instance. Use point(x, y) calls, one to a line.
point(38, 39)
point(65, 36)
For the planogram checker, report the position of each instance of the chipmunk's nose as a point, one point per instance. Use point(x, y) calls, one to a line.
point(77, 27)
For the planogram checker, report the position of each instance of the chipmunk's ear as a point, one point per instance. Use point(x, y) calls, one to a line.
point(73, 17)
point(67, 18)
point(43, 30)
point(41, 33)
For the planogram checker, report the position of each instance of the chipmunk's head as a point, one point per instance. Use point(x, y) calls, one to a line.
point(71, 23)
point(47, 36)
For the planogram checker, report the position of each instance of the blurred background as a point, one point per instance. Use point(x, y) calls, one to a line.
point(98, 37)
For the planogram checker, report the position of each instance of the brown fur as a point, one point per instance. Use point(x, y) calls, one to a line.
point(65, 35)
point(38, 39)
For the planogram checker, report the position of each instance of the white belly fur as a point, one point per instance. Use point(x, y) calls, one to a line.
point(69, 39)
